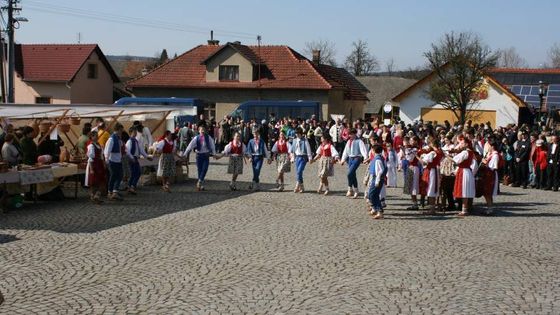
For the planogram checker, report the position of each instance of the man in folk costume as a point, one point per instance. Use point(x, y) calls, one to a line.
point(96, 178)
point(134, 152)
point(236, 151)
point(257, 152)
point(412, 182)
point(113, 156)
point(492, 184)
point(300, 154)
point(204, 147)
point(354, 153)
point(327, 156)
point(281, 152)
point(378, 171)
point(464, 188)
point(430, 177)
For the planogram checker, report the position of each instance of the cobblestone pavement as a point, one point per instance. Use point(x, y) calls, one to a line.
point(268, 252)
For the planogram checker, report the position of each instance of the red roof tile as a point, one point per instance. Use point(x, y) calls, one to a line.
point(339, 77)
point(283, 68)
point(53, 62)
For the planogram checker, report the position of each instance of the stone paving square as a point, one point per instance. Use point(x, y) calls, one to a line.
point(223, 252)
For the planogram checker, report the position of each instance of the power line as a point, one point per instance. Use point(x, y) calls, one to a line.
point(152, 23)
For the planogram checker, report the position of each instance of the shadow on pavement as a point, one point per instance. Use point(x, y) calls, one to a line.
point(6, 238)
point(81, 216)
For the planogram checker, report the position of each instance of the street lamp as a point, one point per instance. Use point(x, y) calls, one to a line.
point(543, 87)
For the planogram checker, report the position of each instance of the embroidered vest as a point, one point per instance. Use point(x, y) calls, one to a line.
point(236, 149)
point(167, 146)
point(282, 147)
point(467, 163)
point(116, 144)
point(326, 150)
point(206, 142)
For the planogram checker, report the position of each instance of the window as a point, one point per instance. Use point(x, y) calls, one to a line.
point(92, 71)
point(210, 110)
point(229, 73)
point(43, 100)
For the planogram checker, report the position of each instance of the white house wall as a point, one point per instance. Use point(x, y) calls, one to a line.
point(507, 112)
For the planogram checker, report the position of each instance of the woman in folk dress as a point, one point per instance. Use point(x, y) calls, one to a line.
point(236, 151)
point(96, 173)
point(392, 162)
point(464, 188)
point(166, 165)
point(327, 156)
point(430, 177)
point(280, 151)
point(492, 185)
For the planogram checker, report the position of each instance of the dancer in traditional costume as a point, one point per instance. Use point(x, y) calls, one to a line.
point(113, 155)
point(204, 147)
point(412, 180)
point(166, 165)
point(354, 153)
point(392, 162)
point(327, 156)
point(378, 171)
point(281, 153)
point(134, 151)
point(464, 180)
point(236, 152)
point(430, 176)
point(257, 152)
point(96, 173)
point(491, 184)
point(300, 154)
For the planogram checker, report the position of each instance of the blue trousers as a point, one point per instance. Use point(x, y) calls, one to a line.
point(202, 163)
point(353, 164)
point(134, 173)
point(301, 161)
point(115, 176)
point(404, 166)
point(257, 163)
point(373, 195)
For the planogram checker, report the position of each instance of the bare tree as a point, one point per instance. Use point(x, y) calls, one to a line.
point(390, 66)
point(459, 61)
point(554, 56)
point(509, 58)
point(360, 61)
point(327, 48)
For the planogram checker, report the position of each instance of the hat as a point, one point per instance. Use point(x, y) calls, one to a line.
point(539, 143)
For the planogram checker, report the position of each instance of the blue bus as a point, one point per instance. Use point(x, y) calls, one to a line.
point(197, 105)
point(264, 109)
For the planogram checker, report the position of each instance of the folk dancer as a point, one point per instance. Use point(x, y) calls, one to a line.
point(96, 173)
point(447, 171)
point(412, 179)
point(236, 151)
point(257, 152)
point(392, 162)
point(354, 153)
point(300, 154)
point(166, 165)
point(492, 183)
point(464, 180)
point(113, 156)
point(430, 177)
point(327, 156)
point(204, 147)
point(378, 172)
point(134, 151)
point(281, 153)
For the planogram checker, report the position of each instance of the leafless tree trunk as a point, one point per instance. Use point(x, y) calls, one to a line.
point(390, 66)
point(327, 48)
point(509, 58)
point(361, 62)
point(554, 55)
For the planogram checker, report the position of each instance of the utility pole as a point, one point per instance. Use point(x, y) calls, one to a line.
point(2, 65)
point(12, 8)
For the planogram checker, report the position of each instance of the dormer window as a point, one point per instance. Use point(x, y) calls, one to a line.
point(229, 73)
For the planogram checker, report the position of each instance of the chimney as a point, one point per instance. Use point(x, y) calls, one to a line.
point(213, 42)
point(316, 56)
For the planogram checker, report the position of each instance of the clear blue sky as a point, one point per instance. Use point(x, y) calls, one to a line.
point(402, 30)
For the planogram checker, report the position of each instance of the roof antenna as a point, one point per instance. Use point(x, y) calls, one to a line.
point(79, 37)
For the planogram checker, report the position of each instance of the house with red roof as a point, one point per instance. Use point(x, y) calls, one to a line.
point(227, 75)
point(63, 74)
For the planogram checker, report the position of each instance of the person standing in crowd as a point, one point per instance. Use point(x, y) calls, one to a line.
point(134, 151)
point(491, 187)
point(301, 153)
point(113, 156)
point(236, 151)
point(50, 147)
point(28, 147)
point(377, 170)
point(540, 164)
point(335, 133)
point(412, 179)
point(125, 162)
point(281, 153)
point(430, 177)
point(522, 161)
point(318, 133)
point(354, 153)
point(392, 162)
point(102, 134)
point(185, 136)
point(10, 153)
point(447, 172)
point(204, 147)
point(84, 139)
point(327, 156)
point(464, 188)
point(553, 169)
point(96, 171)
point(257, 152)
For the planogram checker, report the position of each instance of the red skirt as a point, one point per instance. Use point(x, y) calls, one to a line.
point(424, 182)
point(97, 174)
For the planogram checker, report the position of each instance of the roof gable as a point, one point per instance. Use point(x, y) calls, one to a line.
point(55, 63)
point(243, 50)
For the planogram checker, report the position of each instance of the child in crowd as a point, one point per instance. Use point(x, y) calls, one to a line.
point(236, 151)
point(327, 156)
point(377, 170)
point(281, 153)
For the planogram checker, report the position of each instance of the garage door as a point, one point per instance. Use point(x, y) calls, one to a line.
point(440, 115)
